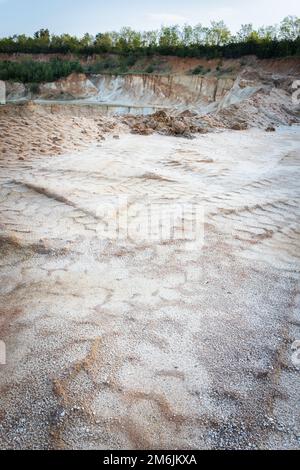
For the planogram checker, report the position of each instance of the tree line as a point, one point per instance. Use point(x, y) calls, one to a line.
point(211, 41)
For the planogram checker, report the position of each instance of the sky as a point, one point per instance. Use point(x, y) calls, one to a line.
point(93, 16)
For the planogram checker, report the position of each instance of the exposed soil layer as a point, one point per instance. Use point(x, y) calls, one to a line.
point(178, 87)
point(176, 65)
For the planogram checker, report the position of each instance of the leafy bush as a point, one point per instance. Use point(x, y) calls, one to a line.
point(130, 61)
point(150, 69)
point(198, 70)
point(111, 65)
point(36, 72)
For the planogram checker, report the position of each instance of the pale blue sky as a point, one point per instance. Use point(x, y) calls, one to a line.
point(80, 16)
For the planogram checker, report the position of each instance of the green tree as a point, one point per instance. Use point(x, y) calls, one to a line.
point(290, 28)
point(218, 34)
point(198, 41)
point(87, 40)
point(104, 42)
point(150, 39)
point(187, 35)
point(200, 34)
point(169, 37)
point(245, 32)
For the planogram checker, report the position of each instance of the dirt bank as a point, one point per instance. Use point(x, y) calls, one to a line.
point(232, 94)
point(174, 65)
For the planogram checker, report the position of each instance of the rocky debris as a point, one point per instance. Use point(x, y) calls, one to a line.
point(270, 129)
point(161, 122)
point(179, 128)
point(239, 126)
point(141, 129)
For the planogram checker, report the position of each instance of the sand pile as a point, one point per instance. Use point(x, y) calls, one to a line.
point(28, 130)
point(257, 100)
point(31, 130)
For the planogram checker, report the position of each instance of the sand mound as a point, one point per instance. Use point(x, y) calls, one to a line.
point(263, 109)
point(257, 100)
point(31, 130)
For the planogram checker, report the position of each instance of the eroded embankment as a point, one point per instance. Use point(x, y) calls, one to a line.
point(254, 95)
point(130, 90)
point(219, 82)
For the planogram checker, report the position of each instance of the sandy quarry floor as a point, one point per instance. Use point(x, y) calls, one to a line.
point(147, 344)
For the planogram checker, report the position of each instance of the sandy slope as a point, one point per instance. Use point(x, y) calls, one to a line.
point(31, 130)
point(132, 343)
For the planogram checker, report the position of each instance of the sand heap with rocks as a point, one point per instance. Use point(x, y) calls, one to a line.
point(185, 124)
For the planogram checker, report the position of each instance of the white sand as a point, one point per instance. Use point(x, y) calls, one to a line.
point(140, 344)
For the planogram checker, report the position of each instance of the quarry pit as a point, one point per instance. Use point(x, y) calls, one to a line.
point(123, 342)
